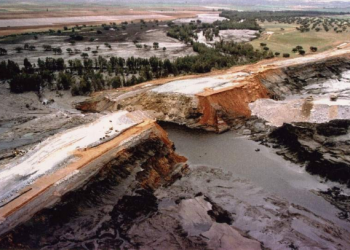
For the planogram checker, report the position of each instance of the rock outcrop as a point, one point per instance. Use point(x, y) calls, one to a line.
point(324, 147)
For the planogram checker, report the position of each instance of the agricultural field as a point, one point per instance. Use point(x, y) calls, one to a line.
point(22, 18)
point(282, 37)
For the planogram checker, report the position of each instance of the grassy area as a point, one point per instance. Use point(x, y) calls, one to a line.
point(285, 37)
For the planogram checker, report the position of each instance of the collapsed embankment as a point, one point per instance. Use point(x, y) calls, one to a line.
point(253, 99)
point(215, 101)
point(221, 109)
point(105, 196)
point(70, 161)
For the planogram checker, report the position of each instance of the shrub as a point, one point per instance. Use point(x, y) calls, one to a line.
point(313, 49)
point(64, 81)
point(3, 51)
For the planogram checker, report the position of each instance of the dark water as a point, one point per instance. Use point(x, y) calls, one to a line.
point(264, 168)
point(99, 216)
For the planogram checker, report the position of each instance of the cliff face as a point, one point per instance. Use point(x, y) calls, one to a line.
point(221, 109)
point(209, 109)
point(140, 146)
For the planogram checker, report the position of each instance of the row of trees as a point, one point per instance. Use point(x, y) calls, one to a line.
point(85, 76)
point(307, 20)
point(276, 16)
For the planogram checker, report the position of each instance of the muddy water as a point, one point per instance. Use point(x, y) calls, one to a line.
point(256, 163)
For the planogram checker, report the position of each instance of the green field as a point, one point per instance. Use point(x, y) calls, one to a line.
point(284, 41)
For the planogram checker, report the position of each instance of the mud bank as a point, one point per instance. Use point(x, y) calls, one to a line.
point(69, 160)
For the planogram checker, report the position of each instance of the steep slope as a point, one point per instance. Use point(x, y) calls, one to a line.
point(71, 160)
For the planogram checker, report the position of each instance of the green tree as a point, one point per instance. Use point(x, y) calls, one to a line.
point(64, 81)
point(3, 51)
point(116, 82)
point(25, 82)
point(70, 51)
point(156, 45)
point(84, 55)
point(47, 47)
point(19, 49)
